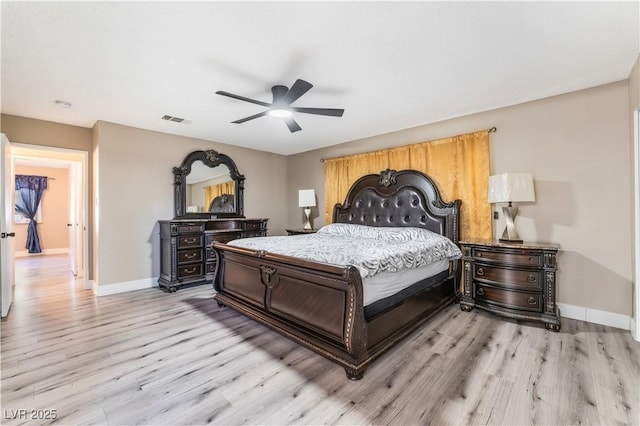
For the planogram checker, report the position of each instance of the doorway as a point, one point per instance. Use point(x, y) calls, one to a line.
point(636, 192)
point(72, 165)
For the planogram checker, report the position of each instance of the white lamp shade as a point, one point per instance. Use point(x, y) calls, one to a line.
point(508, 187)
point(306, 198)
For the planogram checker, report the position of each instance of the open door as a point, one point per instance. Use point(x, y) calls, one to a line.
point(7, 195)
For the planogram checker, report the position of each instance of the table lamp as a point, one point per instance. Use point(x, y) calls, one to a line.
point(306, 200)
point(509, 188)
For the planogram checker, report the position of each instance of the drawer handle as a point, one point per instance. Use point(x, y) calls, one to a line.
point(479, 254)
point(531, 300)
point(532, 259)
point(480, 272)
point(190, 240)
point(531, 278)
point(480, 292)
point(190, 271)
point(191, 256)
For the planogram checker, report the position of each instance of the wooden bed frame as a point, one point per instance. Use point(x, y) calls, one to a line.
point(320, 306)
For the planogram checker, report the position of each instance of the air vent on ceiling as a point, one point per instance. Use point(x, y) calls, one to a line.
point(172, 118)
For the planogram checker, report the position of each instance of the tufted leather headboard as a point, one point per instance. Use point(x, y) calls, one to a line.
point(222, 204)
point(399, 198)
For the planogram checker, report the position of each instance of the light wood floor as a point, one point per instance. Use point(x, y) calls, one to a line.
point(154, 358)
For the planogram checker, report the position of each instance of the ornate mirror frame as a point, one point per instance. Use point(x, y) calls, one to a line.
point(212, 159)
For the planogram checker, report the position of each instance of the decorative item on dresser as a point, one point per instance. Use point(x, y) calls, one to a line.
point(323, 305)
point(513, 280)
point(186, 242)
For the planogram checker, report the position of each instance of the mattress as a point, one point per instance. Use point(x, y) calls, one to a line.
point(386, 284)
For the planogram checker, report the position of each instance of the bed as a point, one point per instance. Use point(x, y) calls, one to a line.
point(322, 305)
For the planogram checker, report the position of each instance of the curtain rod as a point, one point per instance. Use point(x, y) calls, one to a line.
point(491, 130)
point(48, 177)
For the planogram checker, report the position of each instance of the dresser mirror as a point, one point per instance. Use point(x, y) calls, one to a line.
point(208, 185)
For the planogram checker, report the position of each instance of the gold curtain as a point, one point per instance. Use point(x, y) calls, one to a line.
point(211, 192)
point(459, 165)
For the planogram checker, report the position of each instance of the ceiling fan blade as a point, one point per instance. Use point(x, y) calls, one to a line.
point(242, 98)
point(299, 88)
point(292, 125)
point(320, 111)
point(260, 114)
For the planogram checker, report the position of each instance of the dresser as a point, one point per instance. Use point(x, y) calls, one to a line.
point(186, 252)
point(513, 280)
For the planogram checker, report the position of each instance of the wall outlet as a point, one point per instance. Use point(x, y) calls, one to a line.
point(495, 215)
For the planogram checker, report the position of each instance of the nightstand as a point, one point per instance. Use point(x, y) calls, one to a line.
point(300, 231)
point(513, 280)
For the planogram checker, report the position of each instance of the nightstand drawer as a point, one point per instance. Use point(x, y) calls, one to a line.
point(253, 225)
point(510, 278)
point(507, 257)
point(509, 299)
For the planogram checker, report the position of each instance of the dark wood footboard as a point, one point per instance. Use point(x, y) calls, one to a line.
point(319, 306)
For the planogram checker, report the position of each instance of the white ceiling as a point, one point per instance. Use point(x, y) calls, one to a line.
point(390, 65)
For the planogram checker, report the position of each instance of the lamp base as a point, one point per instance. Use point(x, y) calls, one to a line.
point(510, 234)
point(307, 212)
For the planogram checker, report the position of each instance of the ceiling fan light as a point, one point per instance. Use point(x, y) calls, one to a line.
point(281, 113)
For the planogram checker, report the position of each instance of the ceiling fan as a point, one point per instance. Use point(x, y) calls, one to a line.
point(281, 106)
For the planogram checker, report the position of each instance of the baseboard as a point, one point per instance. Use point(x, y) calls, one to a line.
point(595, 316)
point(25, 253)
point(123, 287)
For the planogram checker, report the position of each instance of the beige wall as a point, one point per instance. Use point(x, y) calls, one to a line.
point(577, 147)
point(53, 231)
point(134, 187)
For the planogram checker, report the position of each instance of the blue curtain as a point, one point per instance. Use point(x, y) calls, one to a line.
point(29, 190)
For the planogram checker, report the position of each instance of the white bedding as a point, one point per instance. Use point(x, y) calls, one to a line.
point(389, 259)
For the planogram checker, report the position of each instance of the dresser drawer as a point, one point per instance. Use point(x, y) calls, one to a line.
point(222, 237)
point(187, 256)
point(509, 299)
point(510, 278)
point(507, 257)
point(250, 234)
point(187, 241)
point(189, 270)
point(210, 267)
point(190, 227)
